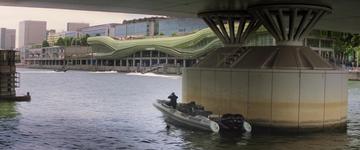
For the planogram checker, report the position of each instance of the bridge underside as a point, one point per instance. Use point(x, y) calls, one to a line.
point(344, 18)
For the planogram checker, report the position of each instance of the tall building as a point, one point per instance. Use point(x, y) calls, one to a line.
point(31, 32)
point(75, 26)
point(7, 38)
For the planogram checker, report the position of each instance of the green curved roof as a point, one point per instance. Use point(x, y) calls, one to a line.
point(188, 46)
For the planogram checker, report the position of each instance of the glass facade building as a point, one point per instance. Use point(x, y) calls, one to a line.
point(172, 26)
point(133, 29)
point(99, 30)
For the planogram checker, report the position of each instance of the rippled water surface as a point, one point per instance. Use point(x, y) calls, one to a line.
point(84, 110)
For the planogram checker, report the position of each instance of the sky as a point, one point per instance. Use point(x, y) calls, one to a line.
point(57, 18)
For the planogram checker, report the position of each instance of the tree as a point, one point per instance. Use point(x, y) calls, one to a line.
point(347, 45)
point(78, 41)
point(60, 42)
point(83, 40)
point(67, 41)
point(97, 34)
point(73, 41)
point(45, 43)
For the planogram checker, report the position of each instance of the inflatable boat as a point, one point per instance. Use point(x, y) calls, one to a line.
point(197, 121)
point(194, 116)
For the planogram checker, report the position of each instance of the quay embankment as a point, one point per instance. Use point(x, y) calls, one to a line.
point(354, 75)
point(159, 69)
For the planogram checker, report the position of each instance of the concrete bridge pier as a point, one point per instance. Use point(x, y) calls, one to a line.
point(287, 87)
point(7, 73)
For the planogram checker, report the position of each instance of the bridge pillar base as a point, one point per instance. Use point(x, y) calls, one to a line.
point(298, 98)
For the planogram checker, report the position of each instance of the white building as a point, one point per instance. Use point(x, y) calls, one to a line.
point(76, 26)
point(53, 37)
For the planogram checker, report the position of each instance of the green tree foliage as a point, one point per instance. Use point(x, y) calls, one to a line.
point(60, 42)
point(83, 40)
point(67, 41)
point(71, 41)
point(347, 45)
point(45, 43)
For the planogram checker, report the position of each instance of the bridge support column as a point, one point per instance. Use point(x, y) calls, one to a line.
point(287, 86)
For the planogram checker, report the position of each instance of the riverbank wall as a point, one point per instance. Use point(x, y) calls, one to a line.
point(163, 69)
point(354, 75)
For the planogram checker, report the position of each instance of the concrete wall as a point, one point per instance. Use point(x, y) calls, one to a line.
point(354, 76)
point(277, 98)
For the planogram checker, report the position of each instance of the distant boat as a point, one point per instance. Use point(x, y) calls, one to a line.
point(60, 70)
point(112, 71)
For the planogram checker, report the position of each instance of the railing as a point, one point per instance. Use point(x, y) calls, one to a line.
point(233, 58)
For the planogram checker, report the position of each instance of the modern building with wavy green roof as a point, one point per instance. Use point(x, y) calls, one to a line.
point(186, 47)
point(170, 53)
point(161, 54)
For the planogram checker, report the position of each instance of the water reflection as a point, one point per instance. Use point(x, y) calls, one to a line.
point(80, 110)
point(8, 124)
point(7, 110)
point(353, 124)
point(209, 141)
point(350, 139)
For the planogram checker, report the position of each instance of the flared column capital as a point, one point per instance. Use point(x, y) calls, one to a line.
point(289, 23)
point(232, 27)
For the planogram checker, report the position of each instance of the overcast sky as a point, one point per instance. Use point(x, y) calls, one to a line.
point(57, 18)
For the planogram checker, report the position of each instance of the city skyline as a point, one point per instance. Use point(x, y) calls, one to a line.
point(58, 18)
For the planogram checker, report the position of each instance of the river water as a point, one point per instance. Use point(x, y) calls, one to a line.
point(89, 110)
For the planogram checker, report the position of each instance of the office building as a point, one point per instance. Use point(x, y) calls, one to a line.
point(31, 32)
point(7, 38)
point(180, 26)
point(138, 27)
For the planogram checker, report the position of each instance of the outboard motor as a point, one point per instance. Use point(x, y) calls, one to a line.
point(234, 123)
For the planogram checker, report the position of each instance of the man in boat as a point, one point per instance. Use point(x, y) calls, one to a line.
point(173, 100)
